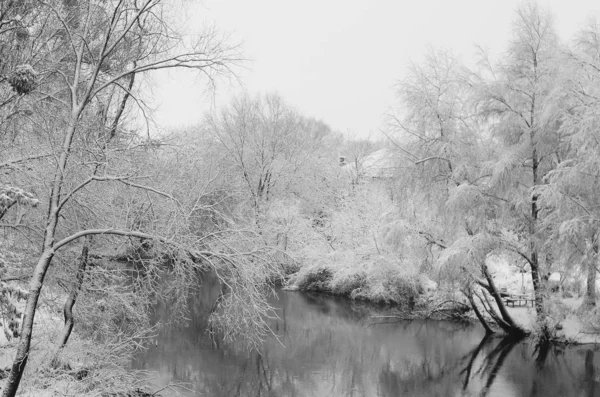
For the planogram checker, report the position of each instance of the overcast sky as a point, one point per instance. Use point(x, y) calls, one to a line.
point(338, 60)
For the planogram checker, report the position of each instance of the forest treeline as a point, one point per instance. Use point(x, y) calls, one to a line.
point(101, 216)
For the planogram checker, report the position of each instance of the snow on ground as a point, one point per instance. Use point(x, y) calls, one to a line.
point(47, 324)
point(525, 316)
point(573, 328)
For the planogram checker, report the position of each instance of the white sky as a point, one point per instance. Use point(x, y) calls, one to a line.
point(338, 60)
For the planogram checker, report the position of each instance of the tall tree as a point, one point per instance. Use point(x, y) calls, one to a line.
point(571, 189)
point(523, 101)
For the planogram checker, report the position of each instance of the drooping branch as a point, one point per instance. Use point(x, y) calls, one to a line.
point(116, 232)
point(195, 254)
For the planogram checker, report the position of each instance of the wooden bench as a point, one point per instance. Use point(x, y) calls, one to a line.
point(511, 299)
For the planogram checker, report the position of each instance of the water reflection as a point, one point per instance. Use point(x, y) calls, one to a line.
point(329, 347)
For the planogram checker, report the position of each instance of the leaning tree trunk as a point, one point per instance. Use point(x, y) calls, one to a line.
point(71, 299)
point(487, 305)
point(20, 360)
point(514, 329)
point(497, 298)
point(503, 319)
point(482, 320)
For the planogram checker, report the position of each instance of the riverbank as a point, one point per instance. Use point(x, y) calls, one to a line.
point(417, 297)
point(84, 368)
point(409, 296)
point(569, 327)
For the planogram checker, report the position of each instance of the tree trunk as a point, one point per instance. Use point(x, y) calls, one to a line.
point(590, 295)
point(83, 259)
point(514, 327)
point(538, 287)
point(592, 259)
point(70, 302)
point(39, 273)
point(486, 326)
point(492, 312)
point(20, 360)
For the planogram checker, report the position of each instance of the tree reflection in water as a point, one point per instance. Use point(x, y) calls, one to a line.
point(329, 347)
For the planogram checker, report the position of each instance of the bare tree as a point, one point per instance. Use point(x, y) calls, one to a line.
point(355, 152)
point(104, 51)
point(268, 141)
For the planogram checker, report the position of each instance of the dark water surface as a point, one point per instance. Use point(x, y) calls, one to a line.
point(331, 348)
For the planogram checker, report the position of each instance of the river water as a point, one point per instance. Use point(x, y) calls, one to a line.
point(333, 347)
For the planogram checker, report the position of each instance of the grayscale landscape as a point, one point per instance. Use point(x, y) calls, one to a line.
point(270, 198)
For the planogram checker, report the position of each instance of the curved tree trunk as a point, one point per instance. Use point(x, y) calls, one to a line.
point(482, 320)
point(492, 312)
point(497, 298)
point(71, 299)
point(503, 318)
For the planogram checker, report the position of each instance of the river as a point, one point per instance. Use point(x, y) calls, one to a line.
point(332, 347)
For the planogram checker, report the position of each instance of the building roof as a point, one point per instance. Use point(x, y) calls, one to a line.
point(383, 163)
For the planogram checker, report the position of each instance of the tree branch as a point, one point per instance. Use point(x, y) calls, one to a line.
point(115, 179)
point(10, 163)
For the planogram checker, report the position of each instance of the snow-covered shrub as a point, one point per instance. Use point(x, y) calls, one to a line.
point(389, 282)
point(314, 278)
point(347, 281)
point(375, 278)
